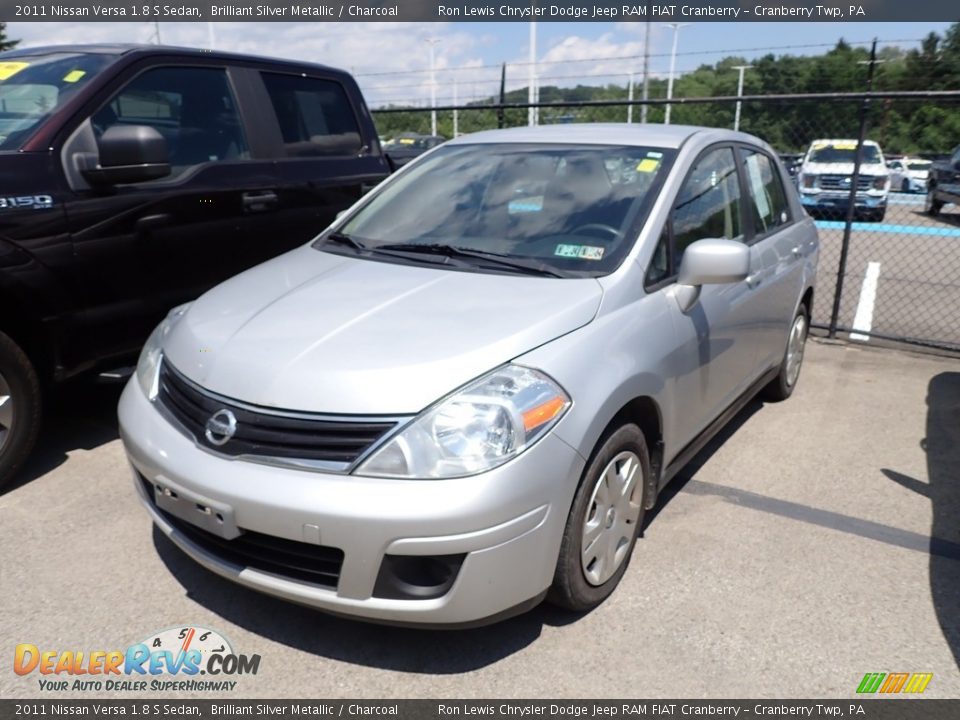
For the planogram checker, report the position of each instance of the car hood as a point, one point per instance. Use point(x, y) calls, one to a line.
point(319, 332)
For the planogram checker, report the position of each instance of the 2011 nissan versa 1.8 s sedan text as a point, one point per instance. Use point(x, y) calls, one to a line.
point(462, 396)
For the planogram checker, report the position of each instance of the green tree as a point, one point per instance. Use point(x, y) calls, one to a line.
point(5, 42)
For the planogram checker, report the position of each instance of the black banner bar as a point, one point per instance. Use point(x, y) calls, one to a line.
point(479, 11)
point(899, 708)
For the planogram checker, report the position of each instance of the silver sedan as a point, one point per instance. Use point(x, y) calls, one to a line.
point(462, 397)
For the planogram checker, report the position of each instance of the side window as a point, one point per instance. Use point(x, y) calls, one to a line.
point(315, 116)
point(192, 107)
point(708, 205)
point(767, 199)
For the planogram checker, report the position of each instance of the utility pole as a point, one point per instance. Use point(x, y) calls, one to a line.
point(532, 77)
point(456, 126)
point(646, 70)
point(630, 98)
point(673, 64)
point(736, 117)
point(432, 42)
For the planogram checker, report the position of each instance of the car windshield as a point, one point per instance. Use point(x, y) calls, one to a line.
point(919, 165)
point(34, 86)
point(844, 153)
point(572, 209)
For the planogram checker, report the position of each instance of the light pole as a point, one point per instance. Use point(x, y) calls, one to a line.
point(630, 98)
point(432, 42)
point(673, 63)
point(736, 117)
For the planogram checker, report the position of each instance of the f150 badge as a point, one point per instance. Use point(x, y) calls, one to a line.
point(37, 202)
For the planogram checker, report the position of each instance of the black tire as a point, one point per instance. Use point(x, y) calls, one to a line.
point(933, 206)
point(878, 215)
point(781, 387)
point(24, 393)
point(905, 186)
point(571, 590)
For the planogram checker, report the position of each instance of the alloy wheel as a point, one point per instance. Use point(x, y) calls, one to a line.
point(6, 412)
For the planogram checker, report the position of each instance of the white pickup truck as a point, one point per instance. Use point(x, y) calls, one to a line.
point(826, 174)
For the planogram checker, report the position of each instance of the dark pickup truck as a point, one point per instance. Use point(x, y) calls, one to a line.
point(943, 183)
point(134, 178)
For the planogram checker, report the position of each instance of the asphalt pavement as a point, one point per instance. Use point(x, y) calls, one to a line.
point(814, 541)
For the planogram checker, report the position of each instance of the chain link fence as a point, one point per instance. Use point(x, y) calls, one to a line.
point(888, 269)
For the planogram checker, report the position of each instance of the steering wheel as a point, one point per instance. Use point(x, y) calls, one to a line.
point(596, 226)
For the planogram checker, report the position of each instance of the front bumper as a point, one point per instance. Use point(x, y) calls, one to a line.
point(826, 200)
point(507, 522)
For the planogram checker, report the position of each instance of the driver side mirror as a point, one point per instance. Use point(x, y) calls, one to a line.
point(710, 262)
point(129, 154)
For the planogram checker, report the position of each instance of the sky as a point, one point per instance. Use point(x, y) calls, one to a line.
point(391, 61)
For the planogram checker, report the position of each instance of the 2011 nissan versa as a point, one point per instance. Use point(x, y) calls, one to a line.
point(463, 395)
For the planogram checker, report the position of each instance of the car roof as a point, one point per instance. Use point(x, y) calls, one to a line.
point(140, 50)
point(649, 135)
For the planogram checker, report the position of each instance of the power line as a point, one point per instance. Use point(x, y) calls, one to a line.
point(635, 57)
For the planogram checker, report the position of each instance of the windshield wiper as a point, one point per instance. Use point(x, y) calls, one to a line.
point(343, 239)
point(530, 267)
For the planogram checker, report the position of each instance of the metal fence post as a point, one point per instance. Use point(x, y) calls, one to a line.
point(851, 204)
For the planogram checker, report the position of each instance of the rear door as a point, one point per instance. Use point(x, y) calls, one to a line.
point(777, 249)
point(327, 153)
point(142, 248)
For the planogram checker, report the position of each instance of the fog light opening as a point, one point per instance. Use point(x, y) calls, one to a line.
point(417, 577)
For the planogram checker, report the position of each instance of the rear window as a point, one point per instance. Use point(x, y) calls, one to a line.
point(315, 116)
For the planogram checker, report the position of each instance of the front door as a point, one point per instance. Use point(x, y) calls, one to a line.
point(145, 247)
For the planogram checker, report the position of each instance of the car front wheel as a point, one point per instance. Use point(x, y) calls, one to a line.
point(604, 522)
point(782, 386)
point(19, 408)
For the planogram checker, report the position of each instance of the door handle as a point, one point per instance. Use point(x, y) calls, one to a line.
point(797, 251)
point(754, 280)
point(151, 222)
point(259, 200)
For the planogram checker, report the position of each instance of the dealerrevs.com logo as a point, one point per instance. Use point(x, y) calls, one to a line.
point(166, 661)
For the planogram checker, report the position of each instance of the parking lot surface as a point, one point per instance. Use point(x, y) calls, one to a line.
point(812, 542)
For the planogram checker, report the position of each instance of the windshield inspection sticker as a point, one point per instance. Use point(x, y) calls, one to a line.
point(526, 205)
point(74, 75)
point(583, 252)
point(648, 165)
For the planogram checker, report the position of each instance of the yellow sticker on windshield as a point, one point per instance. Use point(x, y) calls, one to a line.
point(648, 165)
point(74, 75)
point(845, 146)
point(9, 69)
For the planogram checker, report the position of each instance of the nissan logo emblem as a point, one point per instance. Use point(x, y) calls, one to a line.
point(221, 426)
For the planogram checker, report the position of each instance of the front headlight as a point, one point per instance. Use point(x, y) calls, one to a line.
point(808, 182)
point(481, 426)
point(880, 182)
point(148, 366)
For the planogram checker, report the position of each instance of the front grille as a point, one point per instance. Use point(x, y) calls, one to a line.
point(268, 433)
point(842, 182)
point(315, 564)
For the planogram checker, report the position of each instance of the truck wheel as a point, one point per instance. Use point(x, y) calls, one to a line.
point(931, 205)
point(604, 522)
point(19, 408)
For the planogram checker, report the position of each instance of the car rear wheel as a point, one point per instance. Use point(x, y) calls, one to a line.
point(604, 522)
point(19, 408)
point(905, 186)
point(931, 205)
point(782, 386)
